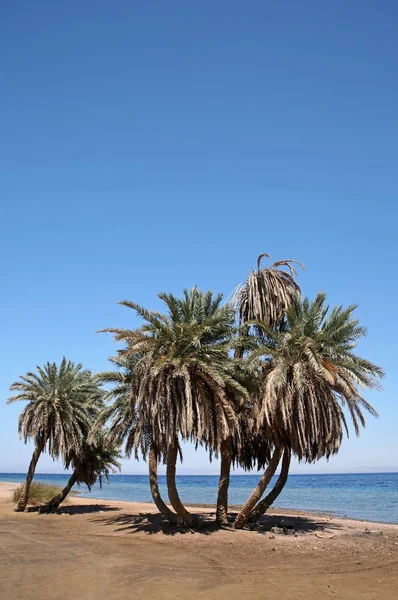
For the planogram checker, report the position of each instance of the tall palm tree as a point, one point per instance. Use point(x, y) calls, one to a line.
point(184, 375)
point(94, 461)
point(311, 376)
point(264, 296)
point(123, 425)
point(60, 404)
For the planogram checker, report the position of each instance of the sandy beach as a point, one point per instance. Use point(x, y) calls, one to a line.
point(96, 549)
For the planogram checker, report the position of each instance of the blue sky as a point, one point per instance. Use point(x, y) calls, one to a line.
point(152, 146)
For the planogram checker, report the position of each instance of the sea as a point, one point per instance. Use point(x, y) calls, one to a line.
point(364, 496)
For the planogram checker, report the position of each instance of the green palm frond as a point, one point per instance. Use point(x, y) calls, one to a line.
point(184, 377)
point(95, 459)
point(61, 401)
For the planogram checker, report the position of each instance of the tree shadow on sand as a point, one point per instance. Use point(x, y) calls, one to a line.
point(295, 524)
point(78, 509)
point(156, 523)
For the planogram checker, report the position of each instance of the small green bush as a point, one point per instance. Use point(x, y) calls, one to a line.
point(40, 493)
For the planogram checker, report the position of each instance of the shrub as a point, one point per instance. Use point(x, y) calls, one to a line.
point(40, 493)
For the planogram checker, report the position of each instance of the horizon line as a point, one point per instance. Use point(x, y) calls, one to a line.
point(395, 472)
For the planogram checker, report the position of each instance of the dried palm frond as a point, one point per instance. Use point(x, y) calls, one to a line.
point(95, 460)
point(311, 376)
point(184, 375)
point(268, 292)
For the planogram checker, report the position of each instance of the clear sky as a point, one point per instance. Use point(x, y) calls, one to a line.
point(151, 146)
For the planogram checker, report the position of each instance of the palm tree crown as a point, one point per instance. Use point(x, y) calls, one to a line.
point(311, 374)
point(184, 369)
point(61, 400)
point(120, 415)
point(96, 459)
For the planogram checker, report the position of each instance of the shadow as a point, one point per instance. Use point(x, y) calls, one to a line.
point(156, 523)
point(293, 523)
point(77, 509)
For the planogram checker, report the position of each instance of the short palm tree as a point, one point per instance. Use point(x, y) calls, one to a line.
point(184, 376)
point(264, 296)
point(60, 401)
point(94, 461)
point(311, 376)
point(121, 419)
point(119, 415)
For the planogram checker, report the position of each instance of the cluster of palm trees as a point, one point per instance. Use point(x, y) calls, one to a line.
point(63, 403)
point(255, 381)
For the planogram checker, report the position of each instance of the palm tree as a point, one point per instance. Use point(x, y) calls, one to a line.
point(311, 376)
point(120, 414)
point(60, 404)
point(94, 461)
point(264, 296)
point(123, 425)
point(184, 376)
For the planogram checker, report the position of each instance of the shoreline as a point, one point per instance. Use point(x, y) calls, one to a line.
point(6, 488)
point(236, 507)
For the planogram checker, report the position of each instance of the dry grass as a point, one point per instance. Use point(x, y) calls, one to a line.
point(40, 493)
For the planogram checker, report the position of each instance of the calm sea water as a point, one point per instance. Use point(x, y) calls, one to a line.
point(366, 496)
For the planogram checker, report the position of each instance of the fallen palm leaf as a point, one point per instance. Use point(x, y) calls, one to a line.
point(325, 537)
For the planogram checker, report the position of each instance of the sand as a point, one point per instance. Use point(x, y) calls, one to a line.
point(97, 549)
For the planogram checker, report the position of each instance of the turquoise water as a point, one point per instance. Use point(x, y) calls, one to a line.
point(366, 496)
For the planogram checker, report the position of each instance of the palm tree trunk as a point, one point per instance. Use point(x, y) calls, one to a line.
point(24, 497)
point(258, 491)
point(225, 469)
point(153, 482)
point(223, 484)
point(56, 501)
point(270, 498)
point(174, 498)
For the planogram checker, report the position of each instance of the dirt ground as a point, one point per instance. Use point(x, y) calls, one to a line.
point(95, 549)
